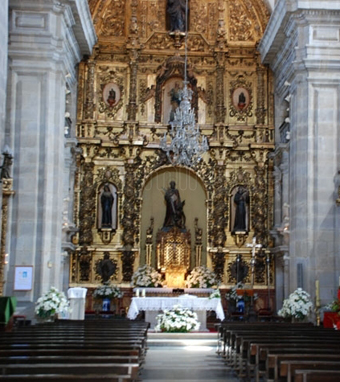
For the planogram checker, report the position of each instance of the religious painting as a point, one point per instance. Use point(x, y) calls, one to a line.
point(107, 207)
point(111, 94)
point(240, 98)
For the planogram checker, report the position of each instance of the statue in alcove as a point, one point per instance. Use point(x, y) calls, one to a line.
point(176, 11)
point(241, 200)
point(106, 200)
point(174, 216)
point(175, 99)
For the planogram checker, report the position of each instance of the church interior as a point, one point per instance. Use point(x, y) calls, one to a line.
point(88, 99)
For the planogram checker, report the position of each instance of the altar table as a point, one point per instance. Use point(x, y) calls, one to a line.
point(155, 305)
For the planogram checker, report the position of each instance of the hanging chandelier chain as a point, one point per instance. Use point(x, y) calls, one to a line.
point(186, 145)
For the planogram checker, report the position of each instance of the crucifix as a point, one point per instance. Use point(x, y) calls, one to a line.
point(254, 246)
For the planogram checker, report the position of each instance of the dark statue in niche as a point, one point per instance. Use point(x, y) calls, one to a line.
point(241, 199)
point(111, 99)
point(176, 11)
point(174, 216)
point(106, 267)
point(106, 201)
point(241, 101)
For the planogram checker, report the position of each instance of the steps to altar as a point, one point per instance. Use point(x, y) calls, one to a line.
point(193, 339)
point(189, 357)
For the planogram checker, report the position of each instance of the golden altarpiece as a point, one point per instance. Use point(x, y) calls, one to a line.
point(124, 106)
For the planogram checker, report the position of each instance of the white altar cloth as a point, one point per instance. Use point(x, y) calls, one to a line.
point(161, 303)
point(165, 290)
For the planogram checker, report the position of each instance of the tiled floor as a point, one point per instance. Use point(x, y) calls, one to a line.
point(189, 364)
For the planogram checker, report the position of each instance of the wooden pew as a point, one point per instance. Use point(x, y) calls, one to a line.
point(238, 338)
point(65, 378)
point(74, 351)
point(288, 368)
point(317, 376)
point(130, 369)
point(261, 351)
point(274, 360)
point(42, 359)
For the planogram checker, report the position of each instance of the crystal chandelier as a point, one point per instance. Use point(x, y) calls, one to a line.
point(183, 144)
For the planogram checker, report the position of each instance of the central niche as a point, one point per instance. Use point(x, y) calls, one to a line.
point(173, 242)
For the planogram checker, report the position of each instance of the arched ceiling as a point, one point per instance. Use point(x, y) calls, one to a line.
point(238, 21)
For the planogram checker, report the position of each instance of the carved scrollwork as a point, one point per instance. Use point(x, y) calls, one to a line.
point(218, 260)
point(85, 264)
point(220, 211)
point(238, 271)
point(113, 20)
point(87, 205)
point(241, 27)
point(260, 206)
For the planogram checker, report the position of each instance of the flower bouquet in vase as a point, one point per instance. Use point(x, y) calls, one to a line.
point(106, 293)
point(146, 276)
point(50, 304)
point(202, 277)
point(297, 306)
point(177, 320)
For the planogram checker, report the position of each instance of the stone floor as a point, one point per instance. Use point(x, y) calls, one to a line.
point(192, 360)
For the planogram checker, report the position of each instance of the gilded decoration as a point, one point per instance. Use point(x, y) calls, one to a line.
point(123, 110)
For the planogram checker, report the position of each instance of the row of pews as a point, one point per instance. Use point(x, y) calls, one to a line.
point(97, 350)
point(280, 352)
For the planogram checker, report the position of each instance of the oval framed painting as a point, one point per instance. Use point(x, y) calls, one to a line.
point(111, 94)
point(240, 98)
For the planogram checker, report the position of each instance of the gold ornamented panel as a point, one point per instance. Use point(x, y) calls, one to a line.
point(123, 111)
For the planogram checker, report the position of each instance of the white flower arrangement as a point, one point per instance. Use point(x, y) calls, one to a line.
point(232, 295)
point(107, 291)
point(202, 277)
point(215, 294)
point(298, 305)
point(51, 303)
point(177, 319)
point(146, 276)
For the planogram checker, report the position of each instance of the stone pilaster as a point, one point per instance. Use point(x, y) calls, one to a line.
point(302, 45)
point(58, 34)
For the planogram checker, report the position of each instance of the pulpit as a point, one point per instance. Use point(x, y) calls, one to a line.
point(173, 255)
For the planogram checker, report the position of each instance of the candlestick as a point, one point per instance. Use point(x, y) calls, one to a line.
point(317, 292)
point(137, 292)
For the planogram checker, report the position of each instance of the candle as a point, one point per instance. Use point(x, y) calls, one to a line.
point(137, 292)
point(317, 292)
point(143, 292)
